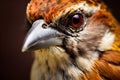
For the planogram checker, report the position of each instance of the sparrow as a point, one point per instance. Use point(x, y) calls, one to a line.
point(73, 40)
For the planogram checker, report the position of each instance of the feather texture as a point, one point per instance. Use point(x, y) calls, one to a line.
point(89, 52)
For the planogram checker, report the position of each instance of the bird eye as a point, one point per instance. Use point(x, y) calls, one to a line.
point(76, 20)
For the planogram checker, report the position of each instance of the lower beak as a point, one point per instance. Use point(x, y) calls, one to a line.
point(39, 37)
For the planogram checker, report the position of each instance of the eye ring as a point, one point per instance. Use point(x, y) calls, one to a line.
point(76, 20)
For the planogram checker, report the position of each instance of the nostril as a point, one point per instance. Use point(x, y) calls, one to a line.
point(44, 25)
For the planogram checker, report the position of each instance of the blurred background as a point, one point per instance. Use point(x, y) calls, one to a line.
point(15, 65)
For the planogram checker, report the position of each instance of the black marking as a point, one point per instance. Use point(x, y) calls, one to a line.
point(44, 26)
point(113, 63)
point(48, 68)
point(104, 77)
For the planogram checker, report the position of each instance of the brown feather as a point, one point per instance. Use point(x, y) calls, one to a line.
point(108, 65)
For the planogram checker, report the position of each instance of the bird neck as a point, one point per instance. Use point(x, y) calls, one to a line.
point(54, 64)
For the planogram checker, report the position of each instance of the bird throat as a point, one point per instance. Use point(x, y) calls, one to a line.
point(54, 63)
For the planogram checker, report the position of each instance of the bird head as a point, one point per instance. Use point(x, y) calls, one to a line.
point(82, 29)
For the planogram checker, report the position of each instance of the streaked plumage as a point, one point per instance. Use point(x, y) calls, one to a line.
point(73, 40)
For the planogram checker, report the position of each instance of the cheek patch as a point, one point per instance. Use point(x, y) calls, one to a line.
point(107, 41)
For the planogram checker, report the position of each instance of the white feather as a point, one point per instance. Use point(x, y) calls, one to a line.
point(107, 41)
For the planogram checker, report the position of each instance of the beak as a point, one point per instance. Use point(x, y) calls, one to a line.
point(39, 37)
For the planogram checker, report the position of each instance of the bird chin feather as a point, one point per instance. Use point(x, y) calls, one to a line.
point(50, 62)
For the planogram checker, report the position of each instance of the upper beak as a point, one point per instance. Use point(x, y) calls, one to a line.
point(40, 37)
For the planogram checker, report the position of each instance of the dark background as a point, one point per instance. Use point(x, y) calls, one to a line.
point(15, 65)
